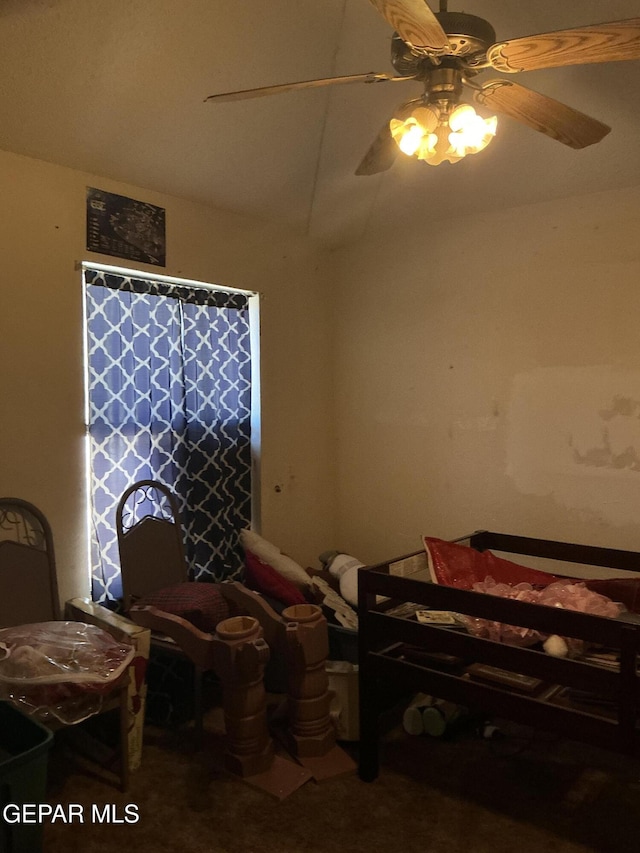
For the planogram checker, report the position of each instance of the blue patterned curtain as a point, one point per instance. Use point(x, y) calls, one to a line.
point(169, 384)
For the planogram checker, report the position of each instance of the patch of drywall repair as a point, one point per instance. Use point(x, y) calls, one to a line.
point(619, 442)
point(574, 434)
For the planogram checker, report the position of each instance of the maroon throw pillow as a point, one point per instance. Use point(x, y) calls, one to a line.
point(261, 577)
point(202, 604)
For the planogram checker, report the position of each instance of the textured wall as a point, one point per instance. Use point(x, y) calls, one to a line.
point(42, 236)
point(487, 377)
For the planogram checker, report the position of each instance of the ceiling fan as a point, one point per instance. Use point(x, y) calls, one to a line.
point(445, 51)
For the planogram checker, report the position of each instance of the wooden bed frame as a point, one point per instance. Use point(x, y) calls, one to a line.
point(400, 651)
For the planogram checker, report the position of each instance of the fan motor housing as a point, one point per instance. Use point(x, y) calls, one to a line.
point(468, 36)
point(403, 59)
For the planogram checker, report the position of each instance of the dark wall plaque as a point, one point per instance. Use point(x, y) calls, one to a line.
point(125, 228)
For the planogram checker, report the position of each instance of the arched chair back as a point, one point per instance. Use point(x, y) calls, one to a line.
point(28, 584)
point(150, 542)
point(152, 558)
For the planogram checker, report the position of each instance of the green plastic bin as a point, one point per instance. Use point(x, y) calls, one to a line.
point(24, 751)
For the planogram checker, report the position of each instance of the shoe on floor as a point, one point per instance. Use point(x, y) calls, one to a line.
point(412, 721)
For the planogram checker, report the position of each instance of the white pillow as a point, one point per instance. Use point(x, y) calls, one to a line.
point(349, 585)
point(345, 568)
point(291, 570)
point(252, 541)
point(271, 554)
point(342, 563)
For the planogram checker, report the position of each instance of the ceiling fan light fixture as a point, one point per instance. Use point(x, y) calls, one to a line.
point(410, 138)
point(439, 147)
point(436, 133)
point(444, 51)
point(470, 132)
point(410, 133)
point(461, 117)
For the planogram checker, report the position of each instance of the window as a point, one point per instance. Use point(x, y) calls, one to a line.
point(170, 394)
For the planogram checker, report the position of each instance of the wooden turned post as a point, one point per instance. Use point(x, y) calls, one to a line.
point(240, 655)
point(306, 647)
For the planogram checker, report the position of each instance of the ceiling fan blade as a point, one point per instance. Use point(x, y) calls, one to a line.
point(415, 23)
point(381, 155)
point(384, 149)
point(541, 113)
point(305, 84)
point(597, 43)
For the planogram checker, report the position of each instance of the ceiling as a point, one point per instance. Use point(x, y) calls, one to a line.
point(117, 88)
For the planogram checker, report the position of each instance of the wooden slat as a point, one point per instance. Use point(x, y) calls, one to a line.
point(549, 620)
point(541, 113)
point(281, 88)
point(607, 42)
point(594, 555)
point(572, 673)
point(570, 722)
point(415, 23)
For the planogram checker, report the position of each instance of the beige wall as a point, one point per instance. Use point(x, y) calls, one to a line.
point(42, 235)
point(487, 370)
point(488, 376)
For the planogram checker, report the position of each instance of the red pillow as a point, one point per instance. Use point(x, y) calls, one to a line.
point(202, 604)
point(261, 577)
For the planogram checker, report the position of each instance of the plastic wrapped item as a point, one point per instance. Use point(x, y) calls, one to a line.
point(60, 670)
point(460, 566)
point(569, 596)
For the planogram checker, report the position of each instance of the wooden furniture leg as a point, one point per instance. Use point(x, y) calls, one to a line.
point(240, 656)
point(305, 645)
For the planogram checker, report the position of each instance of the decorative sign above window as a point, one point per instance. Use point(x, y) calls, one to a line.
point(125, 228)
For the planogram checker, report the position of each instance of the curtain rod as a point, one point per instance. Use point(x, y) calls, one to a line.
point(150, 276)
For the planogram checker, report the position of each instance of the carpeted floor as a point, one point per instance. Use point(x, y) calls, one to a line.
point(527, 792)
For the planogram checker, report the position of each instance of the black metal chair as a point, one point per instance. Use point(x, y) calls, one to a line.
point(29, 594)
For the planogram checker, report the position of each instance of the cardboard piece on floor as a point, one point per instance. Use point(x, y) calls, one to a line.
point(333, 763)
point(281, 779)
